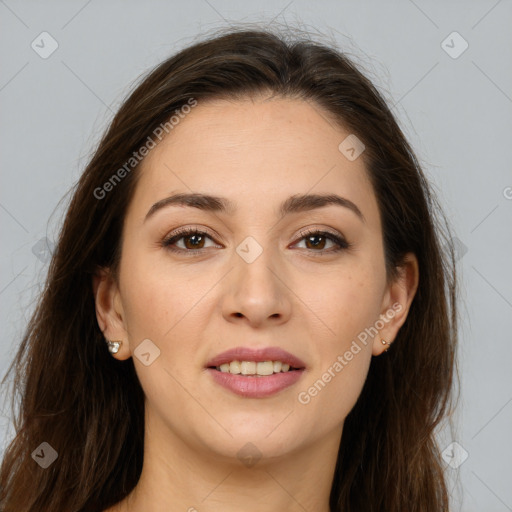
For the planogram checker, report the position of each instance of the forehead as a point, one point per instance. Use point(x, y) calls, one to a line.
point(256, 152)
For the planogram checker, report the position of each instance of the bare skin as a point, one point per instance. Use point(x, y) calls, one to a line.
point(298, 294)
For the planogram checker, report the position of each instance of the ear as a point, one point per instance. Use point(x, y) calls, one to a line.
point(109, 311)
point(396, 303)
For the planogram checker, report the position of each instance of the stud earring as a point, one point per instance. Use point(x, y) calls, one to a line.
point(384, 342)
point(114, 346)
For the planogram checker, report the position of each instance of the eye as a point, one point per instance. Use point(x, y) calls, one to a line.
point(317, 241)
point(187, 240)
point(193, 240)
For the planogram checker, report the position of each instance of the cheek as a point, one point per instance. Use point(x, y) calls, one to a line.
point(347, 300)
point(329, 396)
point(166, 308)
point(342, 359)
point(348, 305)
point(148, 304)
point(157, 300)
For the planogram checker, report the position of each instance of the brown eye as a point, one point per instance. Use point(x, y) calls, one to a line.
point(188, 241)
point(315, 242)
point(323, 242)
point(194, 241)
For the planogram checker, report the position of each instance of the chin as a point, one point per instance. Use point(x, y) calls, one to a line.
point(249, 449)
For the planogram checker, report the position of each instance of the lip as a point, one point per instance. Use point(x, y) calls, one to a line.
point(256, 355)
point(255, 387)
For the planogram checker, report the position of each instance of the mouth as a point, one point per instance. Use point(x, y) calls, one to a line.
point(254, 369)
point(255, 373)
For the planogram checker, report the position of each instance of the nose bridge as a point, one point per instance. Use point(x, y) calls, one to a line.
point(254, 263)
point(255, 290)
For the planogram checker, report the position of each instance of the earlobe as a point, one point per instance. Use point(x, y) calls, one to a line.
point(396, 304)
point(387, 344)
point(109, 313)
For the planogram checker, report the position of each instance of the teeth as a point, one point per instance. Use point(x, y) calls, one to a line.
point(252, 368)
point(265, 368)
point(234, 367)
point(248, 367)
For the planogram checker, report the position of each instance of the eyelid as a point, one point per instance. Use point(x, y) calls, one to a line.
point(314, 230)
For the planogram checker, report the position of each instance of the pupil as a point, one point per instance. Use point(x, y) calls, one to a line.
point(190, 241)
point(317, 243)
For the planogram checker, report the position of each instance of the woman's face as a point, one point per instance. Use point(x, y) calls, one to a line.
point(256, 280)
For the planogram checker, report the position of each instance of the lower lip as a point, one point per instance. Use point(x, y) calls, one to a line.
point(255, 387)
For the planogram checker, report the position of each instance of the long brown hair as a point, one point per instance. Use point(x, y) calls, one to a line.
point(89, 407)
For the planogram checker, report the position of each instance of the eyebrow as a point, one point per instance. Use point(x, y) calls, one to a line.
point(294, 204)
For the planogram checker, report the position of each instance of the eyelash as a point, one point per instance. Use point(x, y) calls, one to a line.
point(186, 232)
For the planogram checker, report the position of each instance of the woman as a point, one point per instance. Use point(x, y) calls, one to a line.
point(248, 307)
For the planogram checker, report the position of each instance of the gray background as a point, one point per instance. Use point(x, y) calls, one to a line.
point(455, 111)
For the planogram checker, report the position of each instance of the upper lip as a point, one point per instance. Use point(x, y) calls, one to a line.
point(256, 355)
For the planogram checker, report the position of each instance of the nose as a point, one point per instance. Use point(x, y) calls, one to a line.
point(256, 293)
